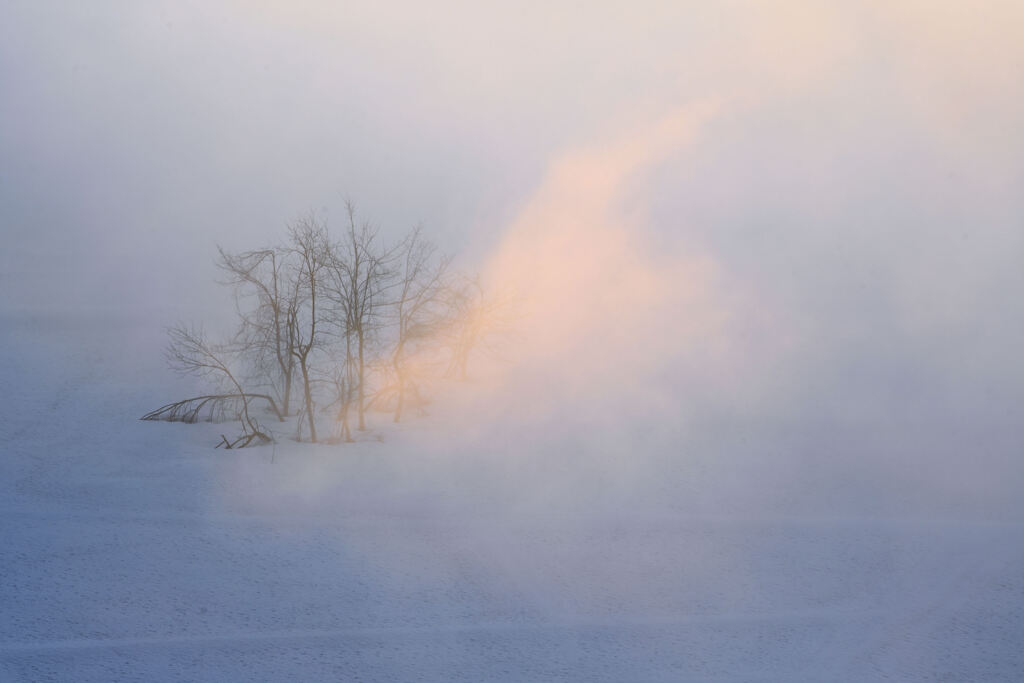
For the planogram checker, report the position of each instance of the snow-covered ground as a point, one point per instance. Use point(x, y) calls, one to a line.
point(781, 551)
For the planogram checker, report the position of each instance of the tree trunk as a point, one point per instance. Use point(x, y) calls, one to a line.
point(362, 383)
point(401, 399)
point(309, 399)
point(346, 431)
point(287, 391)
point(396, 363)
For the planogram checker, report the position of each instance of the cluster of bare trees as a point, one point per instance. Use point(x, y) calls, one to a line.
point(331, 328)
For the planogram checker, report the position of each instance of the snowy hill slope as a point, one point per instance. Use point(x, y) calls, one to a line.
point(736, 552)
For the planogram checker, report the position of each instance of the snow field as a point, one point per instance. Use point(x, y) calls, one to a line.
point(135, 552)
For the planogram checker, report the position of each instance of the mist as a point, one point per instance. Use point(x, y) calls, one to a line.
point(859, 167)
point(760, 369)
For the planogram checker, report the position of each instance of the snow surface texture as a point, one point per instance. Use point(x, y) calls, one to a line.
point(133, 551)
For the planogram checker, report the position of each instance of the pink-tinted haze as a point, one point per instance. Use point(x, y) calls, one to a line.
point(602, 311)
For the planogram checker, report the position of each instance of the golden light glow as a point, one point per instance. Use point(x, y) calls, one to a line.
point(598, 310)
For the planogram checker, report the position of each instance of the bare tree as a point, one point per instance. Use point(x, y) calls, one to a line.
point(189, 352)
point(418, 308)
point(336, 316)
point(340, 377)
point(311, 248)
point(477, 319)
point(359, 275)
point(268, 328)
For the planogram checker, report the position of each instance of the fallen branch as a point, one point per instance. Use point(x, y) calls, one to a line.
point(244, 440)
point(189, 410)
